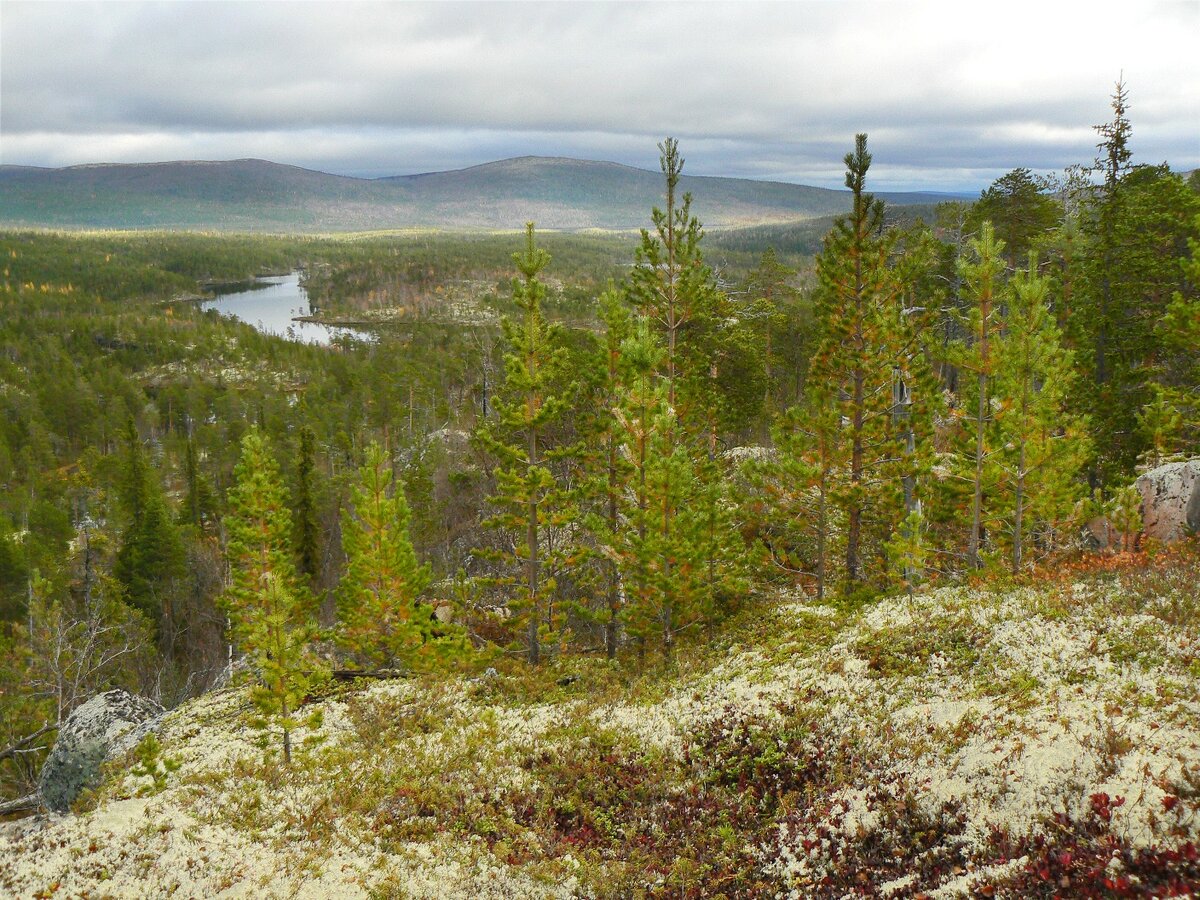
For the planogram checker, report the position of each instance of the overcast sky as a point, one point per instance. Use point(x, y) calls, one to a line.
point(952, 95)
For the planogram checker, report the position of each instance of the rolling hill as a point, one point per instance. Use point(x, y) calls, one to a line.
point(257, 195)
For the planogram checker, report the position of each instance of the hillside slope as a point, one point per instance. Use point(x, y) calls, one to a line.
point(256, 195)
point(1015, 743)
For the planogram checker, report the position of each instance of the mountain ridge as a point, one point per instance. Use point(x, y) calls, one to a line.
point(254, 194)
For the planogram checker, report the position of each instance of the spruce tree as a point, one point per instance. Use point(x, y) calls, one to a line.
point(150, 563)
point(1135, 227)
point(306, 532)
point(1019, 210)
point(1173, 416)
point(198, 499)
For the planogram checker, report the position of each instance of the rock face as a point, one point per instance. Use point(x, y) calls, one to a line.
point(99, 730)
point(1171, 500)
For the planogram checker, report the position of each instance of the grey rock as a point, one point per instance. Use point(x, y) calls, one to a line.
point(1099, 534)
point(1171, 500)
point(1192, 514)
point(100, 730)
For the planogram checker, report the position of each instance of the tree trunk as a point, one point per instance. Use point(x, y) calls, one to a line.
point(822, 503)
point(977, 502)
point(614, 597)
point(854, 518)
point(531, 538)
point(1020, 509)
point(287, 734)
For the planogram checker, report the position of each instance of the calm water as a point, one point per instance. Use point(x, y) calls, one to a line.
point(272, 307)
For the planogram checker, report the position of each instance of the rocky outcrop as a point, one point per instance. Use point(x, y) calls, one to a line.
point(1171, 500)
point(99, 730)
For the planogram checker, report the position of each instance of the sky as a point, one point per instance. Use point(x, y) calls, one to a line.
point(952, 95)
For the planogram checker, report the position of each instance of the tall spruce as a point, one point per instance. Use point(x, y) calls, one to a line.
point(1177, 380)
point(151, 563)
point(305, 530)
point(1135, 227)
point(1020, 210)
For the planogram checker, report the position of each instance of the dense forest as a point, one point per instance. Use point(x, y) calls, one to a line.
point(569, 444)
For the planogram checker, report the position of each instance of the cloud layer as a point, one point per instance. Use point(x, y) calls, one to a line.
point(951, 94)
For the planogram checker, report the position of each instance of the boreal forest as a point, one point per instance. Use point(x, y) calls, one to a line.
point(623, 564)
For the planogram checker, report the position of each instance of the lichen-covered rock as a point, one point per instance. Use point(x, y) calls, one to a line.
point(1171, 500)
point(99, 730)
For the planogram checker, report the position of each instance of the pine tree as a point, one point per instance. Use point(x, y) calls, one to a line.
point(981, 279)
point(625, 534)
point(770, 294)
point(529, 496)
point(258, 525)
point(277, 643)
point(603, 459)
point(382, 619)
point(1161, 424)
point(866, 362)
point(800, 485)
point(704, 365)
point(668, 283)
point(268, 613)
point(660, 554)
point(1041, 444)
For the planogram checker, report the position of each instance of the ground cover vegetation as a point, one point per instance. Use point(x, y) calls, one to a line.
point(603, 459)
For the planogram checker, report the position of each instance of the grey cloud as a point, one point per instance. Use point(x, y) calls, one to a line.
point(760, 90)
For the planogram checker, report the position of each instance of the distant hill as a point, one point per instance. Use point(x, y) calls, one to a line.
point(257, 195)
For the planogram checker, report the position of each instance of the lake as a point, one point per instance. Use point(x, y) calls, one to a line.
point(271, 306)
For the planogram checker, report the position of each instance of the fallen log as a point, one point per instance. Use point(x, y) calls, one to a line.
point(27, 803)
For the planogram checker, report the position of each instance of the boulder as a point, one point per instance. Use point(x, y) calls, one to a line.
point(1171, 500)
point(1099, 534)
point(96, 732)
